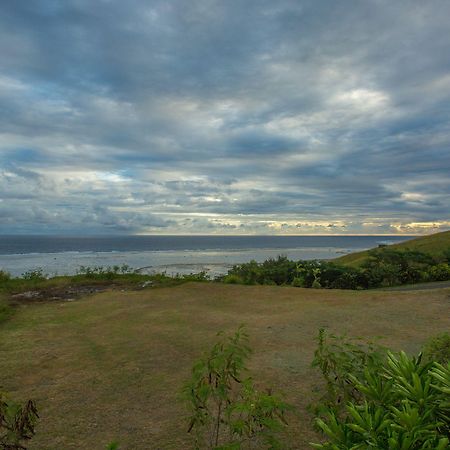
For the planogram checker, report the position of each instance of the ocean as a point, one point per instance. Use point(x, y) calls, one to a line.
point(63, 255)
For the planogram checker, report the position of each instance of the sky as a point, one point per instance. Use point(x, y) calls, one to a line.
point(224, 117)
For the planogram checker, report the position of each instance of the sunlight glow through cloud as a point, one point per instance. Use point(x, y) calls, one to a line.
point(202, 117)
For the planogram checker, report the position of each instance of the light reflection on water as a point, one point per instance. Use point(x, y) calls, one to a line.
point(214, 262)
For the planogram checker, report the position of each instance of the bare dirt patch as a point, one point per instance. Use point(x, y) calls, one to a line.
point(70, 292)
point(66, 293)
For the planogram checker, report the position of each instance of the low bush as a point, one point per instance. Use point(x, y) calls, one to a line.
point(197, 277)
point(34, 275)
point(17, 423)
point(378, 401)
point(106, 273)
point(385, 267)
point(338, 358)
point(226, 409)
point(440, 272)
point(233, 279)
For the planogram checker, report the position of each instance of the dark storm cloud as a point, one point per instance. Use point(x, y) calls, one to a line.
point(254, 116)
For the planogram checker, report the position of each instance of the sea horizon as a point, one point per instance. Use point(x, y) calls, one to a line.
point(172, 254)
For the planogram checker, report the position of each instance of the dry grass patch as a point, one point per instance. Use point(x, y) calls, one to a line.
point(111, 366)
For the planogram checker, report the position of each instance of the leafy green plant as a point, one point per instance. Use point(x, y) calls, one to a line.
point(298, 282)
point(17, 423)
point(397, 402)
point(316, 283)
point(440, 272)
point(233, 279)
point(197, 277)
point(34, 275)
point(342, 361)
point(384, 267)
point(227, 411)
point(100, 272)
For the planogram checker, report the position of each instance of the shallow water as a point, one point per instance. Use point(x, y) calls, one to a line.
point(170, 254)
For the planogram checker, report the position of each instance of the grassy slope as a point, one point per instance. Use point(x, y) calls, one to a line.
point(433, 244)
point(111, 366)
point(64, 287)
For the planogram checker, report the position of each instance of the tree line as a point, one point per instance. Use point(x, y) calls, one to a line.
point(384, 267)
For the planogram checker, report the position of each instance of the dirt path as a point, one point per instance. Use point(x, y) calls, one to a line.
point(419, 287)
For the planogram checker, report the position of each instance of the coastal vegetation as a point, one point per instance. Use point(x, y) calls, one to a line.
point(436, 245)
point(115, 276)
point(383, 267)
point(36, 286)
point(425, 259)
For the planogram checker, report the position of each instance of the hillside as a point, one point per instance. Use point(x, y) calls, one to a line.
point(434, 244)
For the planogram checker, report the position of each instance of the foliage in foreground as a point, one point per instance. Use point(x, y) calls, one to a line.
point(17, 423)
point(375, 401)
point(227, 411)
point(338, 358)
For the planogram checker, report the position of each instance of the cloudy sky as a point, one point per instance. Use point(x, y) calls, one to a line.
point(224, 116)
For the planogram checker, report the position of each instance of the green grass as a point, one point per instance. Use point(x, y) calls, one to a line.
point(130, 280)
point(434, 244)
point(72, 287)
point(110, 366)
point(6, 310)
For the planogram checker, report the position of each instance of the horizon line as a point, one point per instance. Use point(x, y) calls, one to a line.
point(212, 235)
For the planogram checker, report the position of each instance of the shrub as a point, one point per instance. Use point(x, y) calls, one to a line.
point(385, 267)
point(437, 348)
point(248, 273)
point(233, 279)
point(104, 273)
point(17, 423)
point(397, 402)
point(227, 411)
point(298, 282)
point(440, 272)
point(200, 276)
point(4, 276)
point(278, 271)
point(34, 275)
point(338, 357)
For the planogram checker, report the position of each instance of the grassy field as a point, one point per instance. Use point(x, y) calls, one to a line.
point(110, 366)
point(434, 244)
